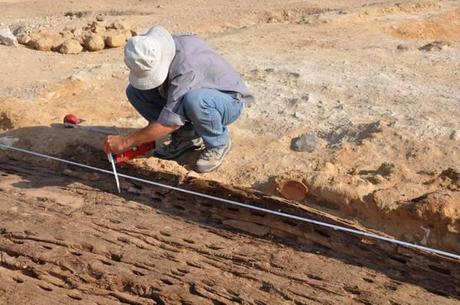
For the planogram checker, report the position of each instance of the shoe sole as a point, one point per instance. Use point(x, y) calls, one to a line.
point(178, 153)
point(220, 163)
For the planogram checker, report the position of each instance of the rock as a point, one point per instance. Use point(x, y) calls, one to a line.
point(19, 29)
point(73, 15)
point(100, 18)
point(96, 27)
point(353, 133)
point(455, 135)
point(118, 25)
point(42, 43)
point(128, 34)
point(402, 47)
point(305, 20)
point(45, 41)
point(293, 74)
point(23, 38)
point(435, 46)
point(248, 227)
point(386, 169)
point(299, 115)
point(306, 142)
point(76, 31)
point(115, 39)
point(306, 97)
point(273, 20)
point(7, 37)
point(80, 36)
point(94, 42)
point(376, 179)
point(99, 30)
point(292, 102)
point(81, 39)
point(452, 174)
point(66, 35)
point(71, 46)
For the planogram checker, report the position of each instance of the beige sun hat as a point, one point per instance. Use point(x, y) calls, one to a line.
point(148, 57)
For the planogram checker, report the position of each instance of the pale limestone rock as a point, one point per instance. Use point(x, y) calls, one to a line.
point(71, 46)
point(115, 39)
point(7, 37)
point(23, 38)
point(94, 42)
point(45, 41)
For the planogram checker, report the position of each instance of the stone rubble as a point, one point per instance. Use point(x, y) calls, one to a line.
point(95, 36)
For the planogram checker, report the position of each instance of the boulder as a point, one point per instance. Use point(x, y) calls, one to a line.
point(41, 43)
point(45, 41)
point(115, 39)
point(80, 36)
point(306, 142)
point(94, 42)
point(23, 38)
point(19, 29)
point(70, 46)
point(7, 37)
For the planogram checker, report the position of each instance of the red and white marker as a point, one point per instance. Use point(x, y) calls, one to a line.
point(71, 120)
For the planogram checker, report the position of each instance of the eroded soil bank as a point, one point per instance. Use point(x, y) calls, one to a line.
point(65, 239)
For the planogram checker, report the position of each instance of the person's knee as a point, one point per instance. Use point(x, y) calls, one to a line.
point(194, 103)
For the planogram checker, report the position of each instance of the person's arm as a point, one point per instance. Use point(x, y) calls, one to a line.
point(153, 131)
point(170, 119)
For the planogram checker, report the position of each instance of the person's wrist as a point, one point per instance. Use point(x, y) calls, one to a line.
point(127, 141)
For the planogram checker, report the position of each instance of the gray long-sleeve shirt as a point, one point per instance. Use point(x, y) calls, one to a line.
point(197, 66)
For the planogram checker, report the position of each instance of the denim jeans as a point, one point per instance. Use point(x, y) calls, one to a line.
point(208, 111)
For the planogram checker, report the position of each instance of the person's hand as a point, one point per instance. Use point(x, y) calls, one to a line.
point(116, 144)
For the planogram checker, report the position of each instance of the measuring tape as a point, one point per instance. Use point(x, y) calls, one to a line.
point(243, 205)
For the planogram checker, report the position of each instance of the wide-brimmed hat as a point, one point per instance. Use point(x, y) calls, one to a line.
point(148, 57)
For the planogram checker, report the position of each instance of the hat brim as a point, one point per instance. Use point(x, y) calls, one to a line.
point(146, 80)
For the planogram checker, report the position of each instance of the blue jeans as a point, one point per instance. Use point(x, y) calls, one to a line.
point(208, 111)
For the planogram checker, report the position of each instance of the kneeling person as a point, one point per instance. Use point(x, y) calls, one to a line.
point(183, 87)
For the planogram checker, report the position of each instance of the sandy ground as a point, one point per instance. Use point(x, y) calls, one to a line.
point(384, 113)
